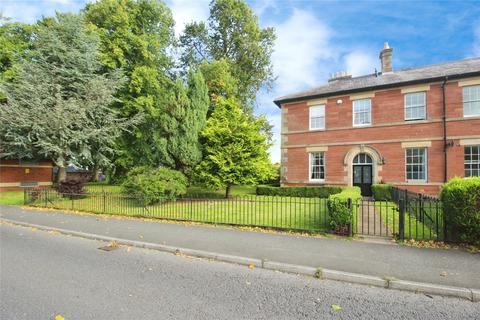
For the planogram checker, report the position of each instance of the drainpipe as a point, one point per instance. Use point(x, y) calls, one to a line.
point(445, 146)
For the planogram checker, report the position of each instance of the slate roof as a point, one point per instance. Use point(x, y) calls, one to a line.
point(436, 72)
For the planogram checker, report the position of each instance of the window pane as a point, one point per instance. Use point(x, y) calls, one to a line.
point(357, 174)
point(362, 158)
point(362, 112)
point(317, 166)
point(472, 161)
point(317, 117)
point(416, 164)
point(415, 106)
point(367, 174)
point(471, 101)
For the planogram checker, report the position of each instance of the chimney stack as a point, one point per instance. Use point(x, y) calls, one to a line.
point(386, 58)
point(341, 75)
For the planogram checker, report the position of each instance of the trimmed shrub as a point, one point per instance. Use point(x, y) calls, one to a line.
point(155, 185)
point(382, 192)
point(307, 192)
point(339, 212)
point(461, 202)
point(71, 188)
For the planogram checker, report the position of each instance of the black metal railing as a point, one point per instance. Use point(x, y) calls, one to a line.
point(424, 217)
point(293, 213)
point(407, 216)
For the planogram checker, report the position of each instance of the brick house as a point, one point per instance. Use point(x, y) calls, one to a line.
point(414, 128)
point(18, 174)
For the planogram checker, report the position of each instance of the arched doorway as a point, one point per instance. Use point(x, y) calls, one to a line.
point(362, 173)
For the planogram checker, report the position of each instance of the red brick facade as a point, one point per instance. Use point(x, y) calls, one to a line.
point(386, 139)
point(14, 174)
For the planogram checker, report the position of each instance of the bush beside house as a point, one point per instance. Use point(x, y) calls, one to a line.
point(461, 201)
point(382, 192)
point(339, 212)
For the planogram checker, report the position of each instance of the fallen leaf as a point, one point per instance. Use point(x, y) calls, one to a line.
point(53, 232)
point(113, 244)
point(179, 253)
point(251, 265)
point(336, 307)
point(140, 236)
point(59, 317)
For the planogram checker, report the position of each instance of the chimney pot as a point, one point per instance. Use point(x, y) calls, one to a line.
point(386, 58)
point(339, 75)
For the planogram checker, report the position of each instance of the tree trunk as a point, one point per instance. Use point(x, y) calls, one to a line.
point(61, 174)
point(227, 191)
point(95, 173)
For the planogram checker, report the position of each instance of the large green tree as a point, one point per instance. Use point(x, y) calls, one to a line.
point(182, 113)
point(136, 36)
point(14, 45)
point(233, 35)
point(58, 104)
point(235, 148)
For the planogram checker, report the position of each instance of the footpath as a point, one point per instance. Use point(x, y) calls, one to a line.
point(369, 263)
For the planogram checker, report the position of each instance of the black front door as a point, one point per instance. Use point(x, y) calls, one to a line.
point(362, 177)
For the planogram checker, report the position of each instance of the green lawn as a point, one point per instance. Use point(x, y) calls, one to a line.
point(99, 187)
point(249, 210)
point(11, 197)
point(414, 229)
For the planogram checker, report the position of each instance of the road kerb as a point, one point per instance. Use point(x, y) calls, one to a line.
point(289, 268)
point(354, 278)
point(465, 293)
point(475, 295)
point(431, 288)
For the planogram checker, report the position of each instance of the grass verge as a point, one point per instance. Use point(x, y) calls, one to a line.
point(293, 213)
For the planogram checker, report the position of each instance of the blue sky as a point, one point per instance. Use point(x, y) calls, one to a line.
point(316, 38)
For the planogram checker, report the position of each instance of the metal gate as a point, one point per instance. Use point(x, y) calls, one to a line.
point(406, 216)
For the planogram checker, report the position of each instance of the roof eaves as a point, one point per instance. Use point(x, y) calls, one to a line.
point(280, 101)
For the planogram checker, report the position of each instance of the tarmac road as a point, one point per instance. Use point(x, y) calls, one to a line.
point(46, 274)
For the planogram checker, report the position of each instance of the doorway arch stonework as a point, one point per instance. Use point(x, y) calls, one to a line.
point(377, 164)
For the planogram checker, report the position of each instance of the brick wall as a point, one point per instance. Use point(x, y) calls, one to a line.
point(12, 173)
point(385, 135)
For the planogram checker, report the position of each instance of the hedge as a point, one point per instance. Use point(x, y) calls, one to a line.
point(461, 202)
point(339, 212)
point(307, 192)
point(382, 192)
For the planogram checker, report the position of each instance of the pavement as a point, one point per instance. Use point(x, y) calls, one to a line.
point(46, 274)
point(456, 268)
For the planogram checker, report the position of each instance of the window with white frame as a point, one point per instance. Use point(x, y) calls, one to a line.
point(415, 106)
point(416, 164)
point(317, 166)
point(317, 117)
point(362, 112)
point(472, 161)
point(471, 101)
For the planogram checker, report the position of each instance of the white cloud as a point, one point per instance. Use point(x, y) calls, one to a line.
point(302, 44)
point(186, 11)
point(261, 6)
point(305, 54)
point(301, 59)
point(31, 11)
point(27, 13)
point(359, 63)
